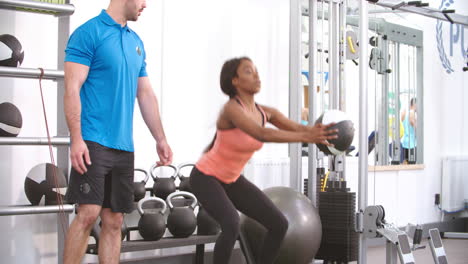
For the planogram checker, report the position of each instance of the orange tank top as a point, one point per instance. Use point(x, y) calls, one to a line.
point(231, 150)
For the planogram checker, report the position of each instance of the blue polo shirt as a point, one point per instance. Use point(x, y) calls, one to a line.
point(116, 59)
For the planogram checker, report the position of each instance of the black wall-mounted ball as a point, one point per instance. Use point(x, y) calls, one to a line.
point(10, 120)
point(11, 51)
point(40, 182)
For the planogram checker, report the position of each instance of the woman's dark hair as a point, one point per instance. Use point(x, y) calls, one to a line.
point(228, 72)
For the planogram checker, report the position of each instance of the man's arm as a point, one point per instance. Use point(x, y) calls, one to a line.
point(75, 75)
point(149, 108)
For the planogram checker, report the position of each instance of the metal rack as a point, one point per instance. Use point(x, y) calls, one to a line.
point(28, 209)
point(30, 73)
point(62, 140)
point(420, 8)
point(29, 141)
point(34, 6)
point(165, 242)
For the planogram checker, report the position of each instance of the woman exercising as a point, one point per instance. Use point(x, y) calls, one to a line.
point(216, 179)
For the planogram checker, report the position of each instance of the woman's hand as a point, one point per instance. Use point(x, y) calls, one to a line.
point(320, 134)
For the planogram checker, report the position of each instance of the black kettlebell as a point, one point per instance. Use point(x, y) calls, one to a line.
point(162, 187)
point(139, 189)
point(206, 224)
point(96, 231)
point(181, 221)
point(151, 225)
point(184, 184)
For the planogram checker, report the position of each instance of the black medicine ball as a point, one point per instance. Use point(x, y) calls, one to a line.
point(345, 132)
point(11, 51)
point(40, 182)
point(10, 120)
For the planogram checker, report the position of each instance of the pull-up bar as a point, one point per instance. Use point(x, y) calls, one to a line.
point(418, 7)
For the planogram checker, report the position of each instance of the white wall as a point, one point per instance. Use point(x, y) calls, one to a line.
point(198, 37)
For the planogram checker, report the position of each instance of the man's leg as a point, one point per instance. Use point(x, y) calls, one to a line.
point(110, 238)
point(78, 233)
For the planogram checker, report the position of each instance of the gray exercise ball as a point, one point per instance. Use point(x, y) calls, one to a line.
point(304, 234)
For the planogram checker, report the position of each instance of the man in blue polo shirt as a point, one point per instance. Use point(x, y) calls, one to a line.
point(105, 71)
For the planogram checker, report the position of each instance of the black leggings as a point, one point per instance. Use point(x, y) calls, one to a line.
point(222, 201)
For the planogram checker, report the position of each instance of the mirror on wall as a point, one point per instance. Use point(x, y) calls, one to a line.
point(394, 85)
point(396, 58)
point(402, 105)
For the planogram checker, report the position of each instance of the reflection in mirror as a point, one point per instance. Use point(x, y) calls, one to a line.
point(395, 84)
point(399, 50)
point(395, 88)
point(408, 100)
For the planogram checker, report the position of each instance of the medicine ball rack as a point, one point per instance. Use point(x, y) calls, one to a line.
point(62, 140)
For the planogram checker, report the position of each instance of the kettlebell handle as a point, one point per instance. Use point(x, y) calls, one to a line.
point(183, 165)
point(146, 199)
point(181, 193)
point(155, 166)
point(145, 172)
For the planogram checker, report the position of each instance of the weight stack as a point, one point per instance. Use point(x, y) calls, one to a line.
point(320, 182)
point(339, 240)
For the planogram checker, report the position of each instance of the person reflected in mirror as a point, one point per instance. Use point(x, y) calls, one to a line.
point(408, 142)
point(393, 135)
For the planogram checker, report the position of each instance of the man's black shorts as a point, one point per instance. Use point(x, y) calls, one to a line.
point(108, 181)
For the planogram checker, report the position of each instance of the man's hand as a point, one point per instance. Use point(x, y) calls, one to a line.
point(78, 150)
point(164, 153)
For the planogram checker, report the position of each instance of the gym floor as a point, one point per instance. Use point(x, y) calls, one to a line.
point(456, 250)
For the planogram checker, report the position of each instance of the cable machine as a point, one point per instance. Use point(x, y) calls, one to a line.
point(398, 241)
